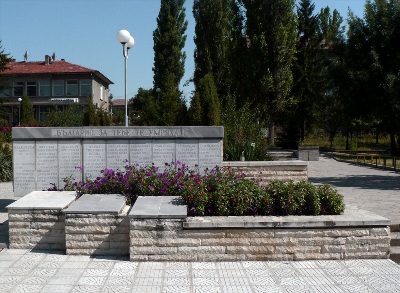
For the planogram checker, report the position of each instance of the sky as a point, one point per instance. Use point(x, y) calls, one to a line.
point(84, 32)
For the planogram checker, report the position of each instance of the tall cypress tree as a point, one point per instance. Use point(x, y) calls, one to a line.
point(271, 29)
point(169, 59)
point(308, 67)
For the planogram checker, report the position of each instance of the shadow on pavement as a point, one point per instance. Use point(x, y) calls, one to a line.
point(4, 203)
point(362, 181)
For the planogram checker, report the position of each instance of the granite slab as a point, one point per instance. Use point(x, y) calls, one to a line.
point(44, 200)
point(158, 207)
point(97, 204)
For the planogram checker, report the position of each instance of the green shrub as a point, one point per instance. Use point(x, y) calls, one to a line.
point(6, 170)
point(219, 192)
point(331, 200)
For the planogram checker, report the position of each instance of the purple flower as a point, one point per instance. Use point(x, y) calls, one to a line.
point(163, 189)
point(151, 188)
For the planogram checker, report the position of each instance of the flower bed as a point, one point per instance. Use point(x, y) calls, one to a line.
point(218, 192)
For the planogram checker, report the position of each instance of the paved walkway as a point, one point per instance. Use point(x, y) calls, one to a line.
point(24, 271)
point(374, 190)
point(371, 189)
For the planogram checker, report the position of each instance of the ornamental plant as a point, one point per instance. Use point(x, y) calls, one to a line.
point(217, 192)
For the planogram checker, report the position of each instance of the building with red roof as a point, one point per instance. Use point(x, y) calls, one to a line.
point(52, 83)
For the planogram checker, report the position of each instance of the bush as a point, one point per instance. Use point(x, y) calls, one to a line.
point(5, 134)
point(6, 167)
point(331, 200)
point(219, 192)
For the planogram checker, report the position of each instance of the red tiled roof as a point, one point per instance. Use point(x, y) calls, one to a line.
point(59, 67)
point(118, 102)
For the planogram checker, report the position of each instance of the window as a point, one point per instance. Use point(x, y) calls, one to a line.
point(31, 88)
point(18, 88)
point(6, 92)
point(44, 88)
point(72, 87)
point(101, 93)
point(58, 87)
point(86, 87)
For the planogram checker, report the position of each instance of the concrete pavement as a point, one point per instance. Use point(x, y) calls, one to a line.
point(374, 190)
point(371, 189)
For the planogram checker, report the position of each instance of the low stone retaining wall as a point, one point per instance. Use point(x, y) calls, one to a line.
point(266, 171)
point(37, 221)
point(97, 225)
point(356, 234)
point(158, 229)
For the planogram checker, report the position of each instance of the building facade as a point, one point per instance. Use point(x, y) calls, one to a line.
point(51, 83)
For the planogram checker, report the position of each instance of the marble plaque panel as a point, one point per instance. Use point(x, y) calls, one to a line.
point(46, 164)
point(24, 167)
point(209, 154)
point(69, 160)
point(140, 152)
point(117, 154)
point(187, 152)
point(163, 152)
point(94, 157)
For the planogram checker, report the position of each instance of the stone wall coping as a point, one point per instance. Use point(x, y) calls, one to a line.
point(97, 204)
point(350, 218)
point(44, 200)
point(265, 163)
point(308, 147)
point(158, 207)
point(117, 132)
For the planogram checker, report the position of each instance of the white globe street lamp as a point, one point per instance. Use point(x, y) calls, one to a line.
point(127, 41)
point(19, 111)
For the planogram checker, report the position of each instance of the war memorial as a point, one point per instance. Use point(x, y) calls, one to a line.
point(158, 228)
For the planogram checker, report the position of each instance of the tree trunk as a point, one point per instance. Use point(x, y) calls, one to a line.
point(347, 139)
point(393, 147)
point(272, 132)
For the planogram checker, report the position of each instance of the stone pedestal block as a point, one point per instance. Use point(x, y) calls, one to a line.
point(37, 220)
point(97, 224)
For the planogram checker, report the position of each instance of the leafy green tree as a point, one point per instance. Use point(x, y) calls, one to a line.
point(334, 105)
point(271, 28)
point(90, 117)
point(169, 58)
point(172, 107)
point(214, 39)
point(145, 108)
point(5, 59)
point(69, 117)
point(195, 110)
point(374, 40)
point(308, 68)
point(27, 112)
point(206, 102)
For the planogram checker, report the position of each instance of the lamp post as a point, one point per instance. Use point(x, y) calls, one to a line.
point(19, 111)
point(127, 41)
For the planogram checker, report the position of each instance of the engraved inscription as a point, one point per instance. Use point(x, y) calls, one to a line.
point(163, 152)
point(140, 152)
point(114, 132)
point(187, 152)
point(46, 164)
point(117, 154)
point(69, 160)
point(209, 154)
point(94, 157)
point(24, 167)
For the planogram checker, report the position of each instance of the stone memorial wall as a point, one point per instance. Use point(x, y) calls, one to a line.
point(46, 155)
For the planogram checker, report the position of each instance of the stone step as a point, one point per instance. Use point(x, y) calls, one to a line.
point(395, 239)
point(395, 254)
